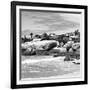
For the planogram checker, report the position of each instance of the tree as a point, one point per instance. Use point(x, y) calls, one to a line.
point(31, 34)
point(45, 36)
point(76, 32)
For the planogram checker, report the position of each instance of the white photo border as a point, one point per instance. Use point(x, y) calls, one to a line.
point(36, 81)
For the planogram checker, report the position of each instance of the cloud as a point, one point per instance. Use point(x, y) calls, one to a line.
point(39, 22)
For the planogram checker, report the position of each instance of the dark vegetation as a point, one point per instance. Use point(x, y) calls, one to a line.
point(52, 36)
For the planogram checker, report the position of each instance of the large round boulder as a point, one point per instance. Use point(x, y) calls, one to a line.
point(68, 44)
point(39, 45)
point(60, 49)
point(76, 46)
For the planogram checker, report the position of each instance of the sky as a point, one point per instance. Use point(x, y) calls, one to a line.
point(39, 22)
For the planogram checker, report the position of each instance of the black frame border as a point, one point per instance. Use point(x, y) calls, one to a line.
point(13, 44)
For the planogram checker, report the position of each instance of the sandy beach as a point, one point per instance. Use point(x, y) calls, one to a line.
point(49, 67)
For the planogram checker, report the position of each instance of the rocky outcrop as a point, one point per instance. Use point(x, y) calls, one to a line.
point(31, 47)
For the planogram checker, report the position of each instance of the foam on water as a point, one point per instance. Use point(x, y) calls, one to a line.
point(27, 61)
